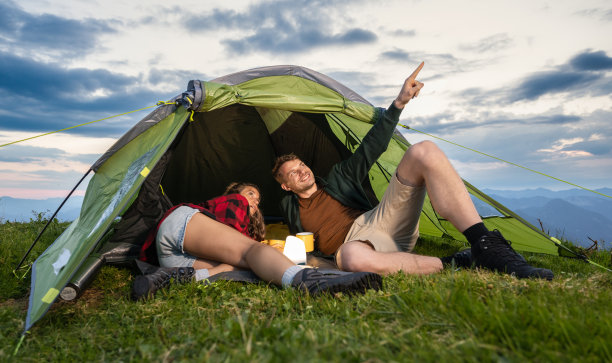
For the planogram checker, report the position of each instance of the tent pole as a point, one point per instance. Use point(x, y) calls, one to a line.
point(50, 220)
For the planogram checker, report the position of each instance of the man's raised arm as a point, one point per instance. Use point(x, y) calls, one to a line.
point(410, 89)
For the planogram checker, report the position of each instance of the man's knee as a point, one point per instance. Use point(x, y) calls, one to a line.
point(417, 160)
point(354, 256)
point(423, 153)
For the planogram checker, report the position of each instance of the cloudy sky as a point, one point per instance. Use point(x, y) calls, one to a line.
point(526, 81)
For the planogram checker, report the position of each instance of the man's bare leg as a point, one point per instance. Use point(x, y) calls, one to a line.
point(360, 256)
point(425, 164)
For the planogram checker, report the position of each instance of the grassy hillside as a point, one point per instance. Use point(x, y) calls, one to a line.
point(467, 315)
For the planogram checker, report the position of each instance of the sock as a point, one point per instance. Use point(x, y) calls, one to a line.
point(474, 233)
point(202, 274)
point(289, 274)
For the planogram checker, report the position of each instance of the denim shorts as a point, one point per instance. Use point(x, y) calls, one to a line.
point(170, 237)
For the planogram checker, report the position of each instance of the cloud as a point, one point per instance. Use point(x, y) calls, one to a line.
point(539, 84)
point(47, 177)
point(597, 13)
point(175, 77)
point(34, 79)
point(396, 55)
point(43, 165)
point(281, 27)
point(596, 144)
point(401, 55)
point(297, 40)
point(541, 142)
point(71, 96)
point(583, 75)
point(448, 123)
point(566, 148)
point(404, 33)
point(48, 33)
point(490, 44)
point(591, 61)
point(26, 154)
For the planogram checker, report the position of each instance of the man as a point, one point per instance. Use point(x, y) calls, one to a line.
point(380, 238)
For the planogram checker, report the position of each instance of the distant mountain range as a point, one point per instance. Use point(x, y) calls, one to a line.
point(573, 214)
point(22, 210)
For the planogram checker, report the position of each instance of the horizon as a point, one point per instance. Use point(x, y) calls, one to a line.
point(527, 81)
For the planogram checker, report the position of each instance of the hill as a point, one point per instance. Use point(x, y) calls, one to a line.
point(22, 210)
point(572, 214)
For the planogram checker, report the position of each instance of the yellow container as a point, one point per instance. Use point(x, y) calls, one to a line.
point(279, 244)
point(308, 239)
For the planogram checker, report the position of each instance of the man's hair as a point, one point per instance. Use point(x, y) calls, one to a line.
point(279, 162)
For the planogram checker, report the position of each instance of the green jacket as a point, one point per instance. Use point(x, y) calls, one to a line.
point(344, 180)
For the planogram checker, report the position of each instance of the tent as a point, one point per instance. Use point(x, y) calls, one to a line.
point(230, 129)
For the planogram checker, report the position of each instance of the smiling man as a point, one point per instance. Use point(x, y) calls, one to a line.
point(380, 238)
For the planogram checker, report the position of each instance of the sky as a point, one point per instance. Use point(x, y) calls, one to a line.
point(529, 82)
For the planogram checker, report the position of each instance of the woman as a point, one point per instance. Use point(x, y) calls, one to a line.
point(256, 225)
point(195, 241)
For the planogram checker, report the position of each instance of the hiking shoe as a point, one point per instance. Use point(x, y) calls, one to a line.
point(494, 252)
point(460, 259)
point(318, 282)
point(147, 285)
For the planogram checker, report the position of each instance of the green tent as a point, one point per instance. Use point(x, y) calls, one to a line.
point(230, 129)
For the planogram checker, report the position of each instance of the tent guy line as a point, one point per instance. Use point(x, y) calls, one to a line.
point(84, 124)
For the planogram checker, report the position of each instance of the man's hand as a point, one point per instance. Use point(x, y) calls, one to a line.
point(410, 89)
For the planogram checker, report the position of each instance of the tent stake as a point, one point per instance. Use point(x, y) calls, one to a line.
point(50, 220)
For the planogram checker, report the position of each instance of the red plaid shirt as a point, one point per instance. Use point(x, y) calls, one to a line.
point(231, 209)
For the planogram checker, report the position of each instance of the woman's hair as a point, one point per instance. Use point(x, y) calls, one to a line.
point(256, 227)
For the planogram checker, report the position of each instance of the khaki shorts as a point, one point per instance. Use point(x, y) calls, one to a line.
point(393, 225)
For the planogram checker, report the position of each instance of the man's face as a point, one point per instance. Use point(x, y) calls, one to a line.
point(296, 176)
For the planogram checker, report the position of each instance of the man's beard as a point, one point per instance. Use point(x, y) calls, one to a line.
point(305, 187)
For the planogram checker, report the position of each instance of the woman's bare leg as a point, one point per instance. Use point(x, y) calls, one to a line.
point(208, 239)
point(213, 267)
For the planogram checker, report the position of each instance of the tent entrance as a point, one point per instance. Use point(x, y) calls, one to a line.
point(234, 144)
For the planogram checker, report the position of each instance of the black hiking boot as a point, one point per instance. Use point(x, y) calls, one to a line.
point(318, 282)
point(147, 285)
point(494, 252)
point(460, 259)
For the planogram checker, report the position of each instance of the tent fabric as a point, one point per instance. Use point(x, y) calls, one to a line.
point(150, 120)
point(301, 72)
point(109, 192)
point(241, 122)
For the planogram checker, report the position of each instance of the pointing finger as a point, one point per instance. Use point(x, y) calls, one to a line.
point(416, 71)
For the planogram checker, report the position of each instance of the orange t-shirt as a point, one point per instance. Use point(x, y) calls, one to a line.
point(327, 219)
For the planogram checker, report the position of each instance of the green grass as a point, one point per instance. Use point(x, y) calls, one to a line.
point(468, 316)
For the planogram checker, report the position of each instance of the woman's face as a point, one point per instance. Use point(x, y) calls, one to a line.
point(252, 196)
